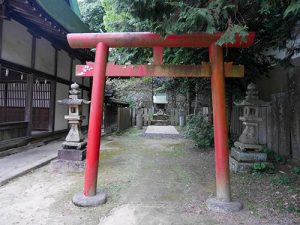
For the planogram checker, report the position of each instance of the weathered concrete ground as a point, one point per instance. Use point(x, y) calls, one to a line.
point(149, 181)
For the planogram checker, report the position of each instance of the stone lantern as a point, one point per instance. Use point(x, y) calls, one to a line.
point(73, 151)
point(247, 149)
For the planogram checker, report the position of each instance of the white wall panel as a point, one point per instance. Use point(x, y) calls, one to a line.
point(16, 43)
point(62, 91)
point(44, 56)
point(63, 65)
point(78, 80)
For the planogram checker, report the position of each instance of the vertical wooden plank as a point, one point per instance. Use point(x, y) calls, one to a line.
point(133, 116)
point(285, 131)
point(149, 116)
point(130, 114)
point(269, 127)
point(52, 96)
point(52, 106)
point(262, 134)
point(281, 124)
point(28, 107)
point(119, 127)
point(29, 94)
point(275, 131)
point(172, 116)
point(294, 87)
point(176, 117)
point(145, 116)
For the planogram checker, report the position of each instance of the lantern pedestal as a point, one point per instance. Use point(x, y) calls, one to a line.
point(72, 154)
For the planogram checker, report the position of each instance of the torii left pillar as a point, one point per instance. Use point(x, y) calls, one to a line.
point(90, 195)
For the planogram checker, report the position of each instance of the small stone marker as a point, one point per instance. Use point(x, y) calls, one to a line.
point(73, 152)
point(247, 150)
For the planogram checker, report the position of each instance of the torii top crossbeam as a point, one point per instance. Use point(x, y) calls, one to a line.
point(216, 70)
point(147, 39)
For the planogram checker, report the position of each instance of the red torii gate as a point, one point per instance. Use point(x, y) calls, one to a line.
point(216, 69)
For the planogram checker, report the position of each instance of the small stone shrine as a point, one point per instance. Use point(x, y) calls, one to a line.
point(247, 150)
point(73, 151)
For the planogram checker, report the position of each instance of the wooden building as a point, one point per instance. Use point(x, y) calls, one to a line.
point(37, 67)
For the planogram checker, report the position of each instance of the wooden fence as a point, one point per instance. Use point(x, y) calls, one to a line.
point(173, 115)
point(124, 120)
point(116, 118)
point(280, 128)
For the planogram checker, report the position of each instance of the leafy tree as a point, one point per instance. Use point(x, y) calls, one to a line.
point(92, 13)
point(275, 24)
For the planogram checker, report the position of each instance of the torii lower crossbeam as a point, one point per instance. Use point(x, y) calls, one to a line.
point(217, 70)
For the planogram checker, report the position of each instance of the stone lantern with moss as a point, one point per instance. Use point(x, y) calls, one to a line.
point(247, 150)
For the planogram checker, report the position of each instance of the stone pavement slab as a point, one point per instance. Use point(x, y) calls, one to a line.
point(170, 130)
point(21, 163)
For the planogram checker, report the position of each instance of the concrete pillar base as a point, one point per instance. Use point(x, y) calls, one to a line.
point(217, 205)
point(89, 201)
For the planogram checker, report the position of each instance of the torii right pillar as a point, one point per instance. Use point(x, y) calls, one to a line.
point(222, 201)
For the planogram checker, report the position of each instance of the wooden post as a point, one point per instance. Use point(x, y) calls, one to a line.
point(145, 116)
point(94, 132)
point(28, 106)
point(220, 123)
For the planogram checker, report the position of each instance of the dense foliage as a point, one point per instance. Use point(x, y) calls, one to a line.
point(200, 130)
point(92, 13)
point(275, 24)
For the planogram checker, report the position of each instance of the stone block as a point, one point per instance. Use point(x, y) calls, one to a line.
point(239, 167)
point(252, 156)
point(242, 167)
point(244, 146)
point(61, 165)
point(72, 145)
point(72, 154)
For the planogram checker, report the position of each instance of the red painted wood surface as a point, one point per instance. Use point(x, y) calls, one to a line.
point(220, 123)
point(203, 70)
point(147, 39)
point(95, 121)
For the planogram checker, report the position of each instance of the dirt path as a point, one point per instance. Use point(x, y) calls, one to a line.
point(149, 181)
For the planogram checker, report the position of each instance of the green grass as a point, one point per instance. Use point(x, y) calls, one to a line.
point(282, 179)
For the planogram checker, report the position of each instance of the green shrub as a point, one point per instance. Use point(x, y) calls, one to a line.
point(296, 169)
point(260, 167)
point(200, 130)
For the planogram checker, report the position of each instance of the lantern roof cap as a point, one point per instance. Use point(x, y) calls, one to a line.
point(252, 98)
